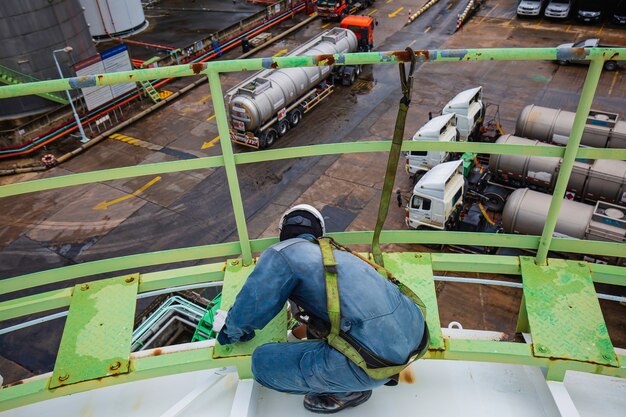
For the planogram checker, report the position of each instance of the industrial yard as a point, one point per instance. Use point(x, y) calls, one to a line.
point(117, 218)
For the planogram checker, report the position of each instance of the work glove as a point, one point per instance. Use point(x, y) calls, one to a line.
point(224, 339)
point(219, 320)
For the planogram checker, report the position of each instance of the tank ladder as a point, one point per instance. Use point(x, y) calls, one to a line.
point(151, 91)
point(9, 76)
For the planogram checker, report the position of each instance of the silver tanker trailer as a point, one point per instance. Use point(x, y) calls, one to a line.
point(266, 105)
point(603, 180)
point(602, 130)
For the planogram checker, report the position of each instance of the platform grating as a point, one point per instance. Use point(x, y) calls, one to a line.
point(97, 336)
point(564, 314)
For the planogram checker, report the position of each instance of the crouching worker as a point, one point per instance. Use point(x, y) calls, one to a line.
point(369, 329)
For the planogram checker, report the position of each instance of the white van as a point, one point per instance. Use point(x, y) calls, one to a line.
point(558, 9)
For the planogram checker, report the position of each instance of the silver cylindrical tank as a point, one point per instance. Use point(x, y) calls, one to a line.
point(114, 18)
point(602, 130)
point(256, 100)
point(29, 32)
point(526, 211)
point(601, 180)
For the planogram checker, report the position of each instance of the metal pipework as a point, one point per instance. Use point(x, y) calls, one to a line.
point(363, 58)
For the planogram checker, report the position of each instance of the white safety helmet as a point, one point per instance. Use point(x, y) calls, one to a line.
point(301, 221)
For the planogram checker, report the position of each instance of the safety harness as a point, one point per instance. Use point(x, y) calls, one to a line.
point(374, 366)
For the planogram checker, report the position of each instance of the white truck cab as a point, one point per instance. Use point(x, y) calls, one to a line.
point(436, 196)
point(469, 109)
point(442, 129)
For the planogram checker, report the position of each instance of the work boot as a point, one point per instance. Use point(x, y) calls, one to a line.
point(332, 403)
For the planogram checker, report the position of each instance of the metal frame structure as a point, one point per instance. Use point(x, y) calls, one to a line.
point(200, 355)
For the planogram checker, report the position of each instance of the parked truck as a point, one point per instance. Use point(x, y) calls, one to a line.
point(440, 201)
point(265, 106)
point(338, 9)
point(602, 130)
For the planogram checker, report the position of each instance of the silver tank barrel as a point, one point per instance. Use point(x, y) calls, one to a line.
point(603, 180)
point(257, 99)
point(526, 210)
point(603, 129)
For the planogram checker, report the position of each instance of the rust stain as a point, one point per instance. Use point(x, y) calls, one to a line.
point(274, 65)
point(326, 59)
point(130, 75)
point(422, 53)
point(198, 67)
point(407, 376)
point(100, 77)
point(20, 382)
point(402, 56)
point(157, 352)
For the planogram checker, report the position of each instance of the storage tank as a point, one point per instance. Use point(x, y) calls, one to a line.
point(257, 99)
point(29, 32)
point(603, 129)
point(114, 18)
point(600, 180)
point(526, 211)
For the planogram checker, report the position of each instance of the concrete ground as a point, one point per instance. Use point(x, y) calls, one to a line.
point(117, 218)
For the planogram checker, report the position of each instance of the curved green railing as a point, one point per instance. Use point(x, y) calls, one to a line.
point(150, 366)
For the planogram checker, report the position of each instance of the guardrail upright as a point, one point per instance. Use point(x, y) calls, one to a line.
point(230, 166)
point(569, 157)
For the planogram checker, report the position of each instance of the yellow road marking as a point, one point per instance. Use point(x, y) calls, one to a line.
point(449, 6)
point(508, 22)
point(135, 142)
point(210, 117)
point(398, 10)
point(105, 204)
point(613, 82)
point(490, 11)
point(211, 143)
point(372, 12)
point(325, 26)
point(281, 52)
point(538, 23)
point(600, 31)
point(568, 28)
point(412, 42)
point(389, 1)
point(203, 99)
point(427, 29)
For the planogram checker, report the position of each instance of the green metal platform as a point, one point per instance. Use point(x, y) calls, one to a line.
point(97, 335)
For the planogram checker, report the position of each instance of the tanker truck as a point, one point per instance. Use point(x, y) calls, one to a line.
point(338, 9)
point(265, 106)
point(602, 130)
point(440, 201)
point(602, 180)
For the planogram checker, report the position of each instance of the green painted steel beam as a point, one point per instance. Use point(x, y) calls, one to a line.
point(569, 157)
point(122, 263)
point(133, 262)
point(230, 166)
point(490, 264)
point(295, 152)
point(608, 274)
point(256, 64)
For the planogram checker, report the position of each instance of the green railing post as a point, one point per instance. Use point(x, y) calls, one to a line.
point(569, 157)
point(229, 164)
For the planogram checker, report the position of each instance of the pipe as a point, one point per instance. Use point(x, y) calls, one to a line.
point(207, 56)
point(172, 97)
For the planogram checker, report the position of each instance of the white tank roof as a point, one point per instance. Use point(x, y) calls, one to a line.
point(433, 127)
point(462, 99)
point(436, 178)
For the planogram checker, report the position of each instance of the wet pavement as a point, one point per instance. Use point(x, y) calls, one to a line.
point(110, 219)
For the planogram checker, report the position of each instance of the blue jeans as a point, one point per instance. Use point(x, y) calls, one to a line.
point(310, 367)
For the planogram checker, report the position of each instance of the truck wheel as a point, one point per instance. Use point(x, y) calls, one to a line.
point(496, 198)
point(610, 65)
point(352, 77)
point(562, 62)
point(283, 127)
point(358, 70)
point(269, 138)
point(295, 117)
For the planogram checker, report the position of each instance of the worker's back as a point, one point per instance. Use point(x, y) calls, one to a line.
point(373, 310)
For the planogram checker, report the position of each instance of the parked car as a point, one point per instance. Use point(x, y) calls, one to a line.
point(590, 11)
point(558, 9)
point(530, 7)
point(609, 65)
point(619, 13)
